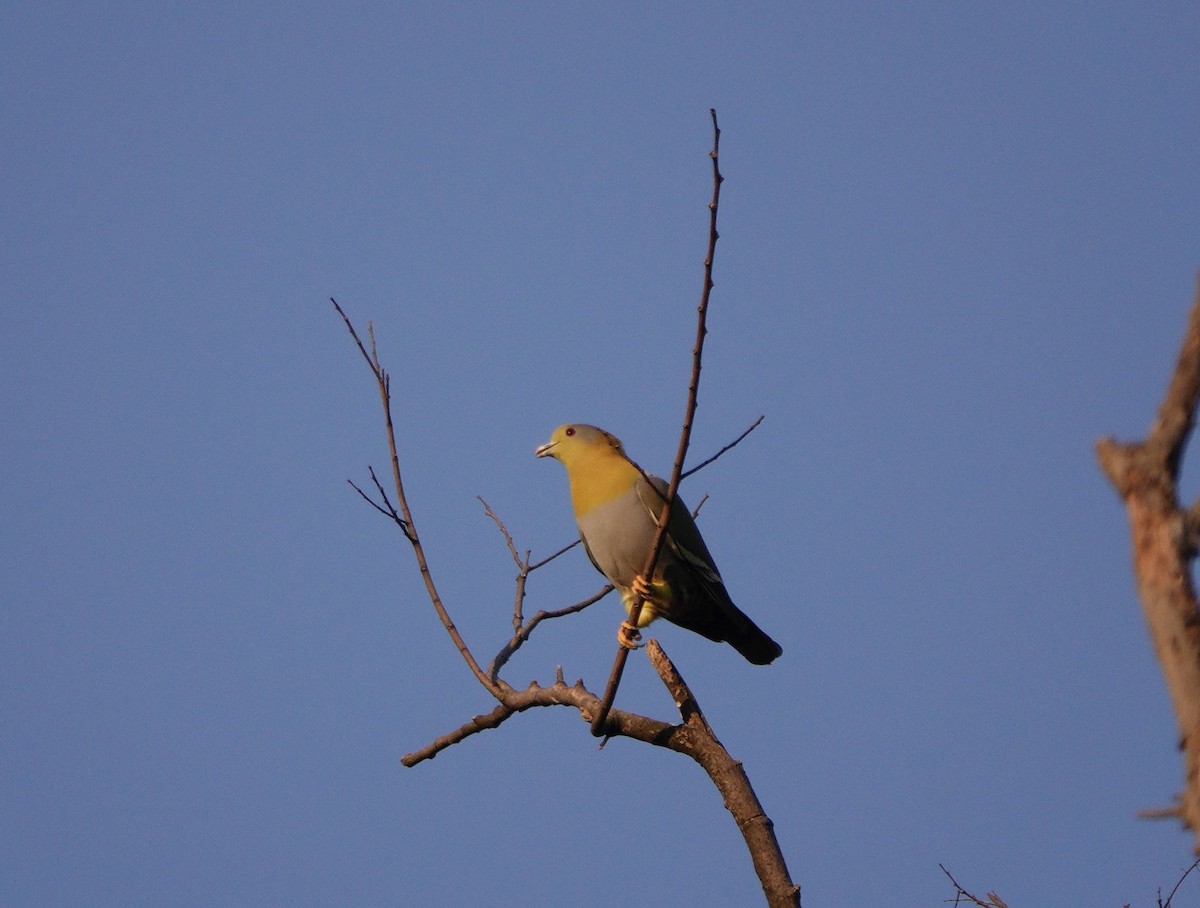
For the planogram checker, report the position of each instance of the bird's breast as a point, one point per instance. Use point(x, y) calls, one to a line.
point(618, 534)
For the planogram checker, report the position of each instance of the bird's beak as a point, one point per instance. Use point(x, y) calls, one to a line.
point(545, 450)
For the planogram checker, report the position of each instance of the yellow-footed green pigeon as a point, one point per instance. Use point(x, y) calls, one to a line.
point(617, 511)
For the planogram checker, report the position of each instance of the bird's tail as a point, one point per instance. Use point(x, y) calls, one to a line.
point(753, 643)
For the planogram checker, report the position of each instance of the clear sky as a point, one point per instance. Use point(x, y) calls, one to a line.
point(958, 244)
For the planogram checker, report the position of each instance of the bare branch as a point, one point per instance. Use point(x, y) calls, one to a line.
point(695, 738)
point(512, 549)
point(354, 334)
point(525, 630)
point(514, 701)
point(1177, 415)
point(961, 895)
point(685, 700)
point(1178, 883)
point(383, 383)
point(371, 501)
point(522, 570)
point(685, 434)
point(1164, 544)
point(1160, 813)
point(566, 548)
point(476, 725)
point(390, 510)
point(733, 444)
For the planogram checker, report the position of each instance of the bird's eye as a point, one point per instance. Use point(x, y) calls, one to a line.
point(570, 431)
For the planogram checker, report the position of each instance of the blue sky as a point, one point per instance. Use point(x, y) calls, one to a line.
point(958, 244)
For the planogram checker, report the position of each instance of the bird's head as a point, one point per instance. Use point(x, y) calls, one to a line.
point(575, 442)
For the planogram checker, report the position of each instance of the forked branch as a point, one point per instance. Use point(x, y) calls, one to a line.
point(403, 515)
point(962, 897)
point(692, 736)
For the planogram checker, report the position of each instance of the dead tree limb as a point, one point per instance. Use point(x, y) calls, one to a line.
point(696, 739)
point(1145, 474)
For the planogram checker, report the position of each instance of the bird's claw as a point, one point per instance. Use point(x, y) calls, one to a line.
point(642, 587)
point(628, 636)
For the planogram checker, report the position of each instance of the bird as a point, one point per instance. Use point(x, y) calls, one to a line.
point(617, 508)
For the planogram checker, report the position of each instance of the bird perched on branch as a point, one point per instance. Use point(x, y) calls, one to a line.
point(617, 509)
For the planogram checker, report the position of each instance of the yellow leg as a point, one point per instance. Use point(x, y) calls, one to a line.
point(628, 636)
point(642, 587)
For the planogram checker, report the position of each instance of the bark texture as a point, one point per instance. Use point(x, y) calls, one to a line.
point(1145, 474)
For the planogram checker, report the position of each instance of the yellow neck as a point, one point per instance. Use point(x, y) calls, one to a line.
point(598, 476)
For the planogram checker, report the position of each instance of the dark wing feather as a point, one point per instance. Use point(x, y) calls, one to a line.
point(699, 600)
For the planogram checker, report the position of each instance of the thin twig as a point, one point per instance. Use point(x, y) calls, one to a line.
point(733, 444)
point(371, 501)
point(618, 669)
point(522, 569)
point(512, 549)
point(391, 508)
point(1160, 813)
point(993, 900)
point(566, 548)
point(354, 334)
point(522, 633)
point(521, 630)
point(1178, 883)
point(383, 383)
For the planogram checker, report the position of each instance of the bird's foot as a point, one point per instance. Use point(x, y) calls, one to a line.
point(628, 636)
point(641, 586)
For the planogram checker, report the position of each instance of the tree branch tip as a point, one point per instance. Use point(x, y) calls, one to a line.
point(1115, 459)
point(1160, 813)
